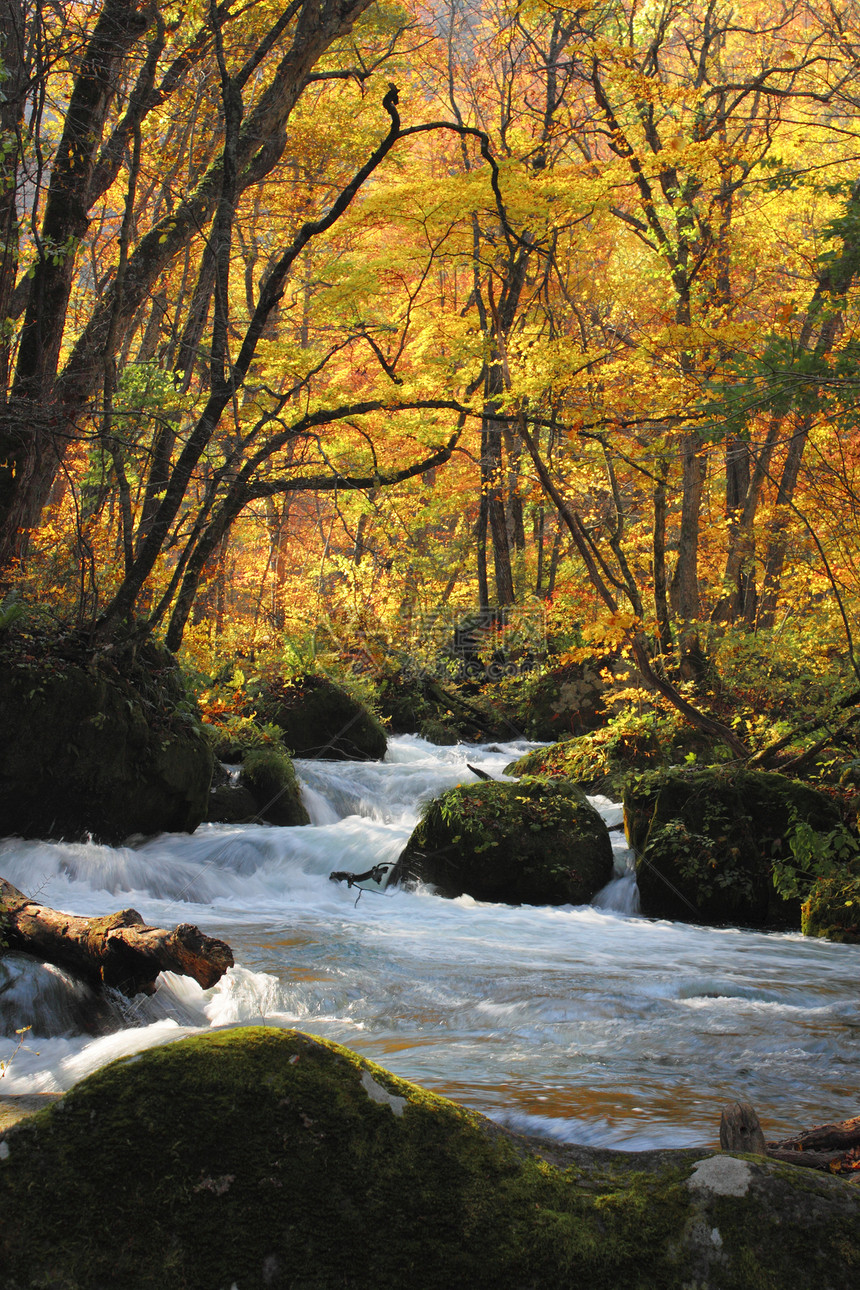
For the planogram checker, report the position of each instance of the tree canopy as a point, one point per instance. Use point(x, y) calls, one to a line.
point(340, 311)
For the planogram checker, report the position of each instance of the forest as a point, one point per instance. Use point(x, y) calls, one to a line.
point(429, 468)
point(322, 320)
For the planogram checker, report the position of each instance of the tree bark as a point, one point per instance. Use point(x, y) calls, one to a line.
point(119, 950)
point(46, 413)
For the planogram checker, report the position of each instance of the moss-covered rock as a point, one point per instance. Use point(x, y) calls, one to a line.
point(599, 761)
point(321, 719)
point(557, 702)
point(267, 1158)
point(530, 843)
point(269, 775)
point(603, 759)
point(403, 701)
point(441, 733)
point(103, 744)
point(832, 909)
point(707, 841)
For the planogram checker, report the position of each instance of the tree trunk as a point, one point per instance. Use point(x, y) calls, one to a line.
point(50, 407)
point(119, 950)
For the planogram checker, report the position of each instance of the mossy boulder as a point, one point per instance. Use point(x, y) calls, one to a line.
point(267, 1158)
point(598, 761)
point(602, 760)
point(707, 840)
point(104, 745)
point(268, 774)
point(403, 701)
point(558, 702)
point(832, 909)
point(321, 719)
point(441, 733)
point(534, 842)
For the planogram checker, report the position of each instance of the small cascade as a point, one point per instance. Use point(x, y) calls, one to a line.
point(621, 893)
point(317, 804)
point(582, 1023)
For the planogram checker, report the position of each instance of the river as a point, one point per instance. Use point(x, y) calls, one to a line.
point(590, 1024)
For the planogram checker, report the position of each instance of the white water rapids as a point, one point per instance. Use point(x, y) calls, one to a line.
point(587, 1023)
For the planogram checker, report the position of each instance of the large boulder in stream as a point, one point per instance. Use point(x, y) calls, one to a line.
point(604, 759)
point(707, 840)
point(321, 719)
point(99, 744)
point(266, 790)
point(531, 843)
point(268, 1158)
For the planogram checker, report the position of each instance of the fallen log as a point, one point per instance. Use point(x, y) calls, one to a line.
point(826, 1137)
point(831, 1147)
point(118, 950)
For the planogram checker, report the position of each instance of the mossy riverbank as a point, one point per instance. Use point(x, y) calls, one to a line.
point(263, 1157)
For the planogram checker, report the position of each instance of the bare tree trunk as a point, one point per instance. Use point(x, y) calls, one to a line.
point(661, 600)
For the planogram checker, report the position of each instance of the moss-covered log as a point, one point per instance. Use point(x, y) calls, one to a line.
point(264, 1157)
point(118, 950)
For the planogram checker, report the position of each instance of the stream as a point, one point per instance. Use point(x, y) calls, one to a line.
point(589, 1024)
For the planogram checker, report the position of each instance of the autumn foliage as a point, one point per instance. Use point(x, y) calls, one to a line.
point(320, 318)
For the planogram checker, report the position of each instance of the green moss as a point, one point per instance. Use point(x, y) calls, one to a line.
point(270, 776)
point(263, 1157)
point(708, 839)
point(441, 733)
point(631, 742)
point(535, 842)
point(832, 909)
point(217, 1159)
point(321, 719)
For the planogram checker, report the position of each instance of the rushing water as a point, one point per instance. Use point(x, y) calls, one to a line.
point(586, 1023)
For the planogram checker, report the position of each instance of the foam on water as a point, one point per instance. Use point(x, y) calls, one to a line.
point(587, 1023)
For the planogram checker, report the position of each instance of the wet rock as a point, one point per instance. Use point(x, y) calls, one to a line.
point(707, 839)
point(320, 719)
point(262, 1157)
point(269, 775)
point(232, 804)
point(534, 843)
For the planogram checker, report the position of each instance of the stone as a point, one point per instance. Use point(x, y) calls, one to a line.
point(257, 1157)
point(103, 747)
point(706, 841)
point(321, 719)
point(534, 842)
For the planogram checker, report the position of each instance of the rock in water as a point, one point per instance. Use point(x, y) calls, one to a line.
point(708, 838)
point(537, 842)
point(320, 719)
point(264, 1157)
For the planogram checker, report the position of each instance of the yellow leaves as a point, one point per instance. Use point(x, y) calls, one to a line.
point(612, 630)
